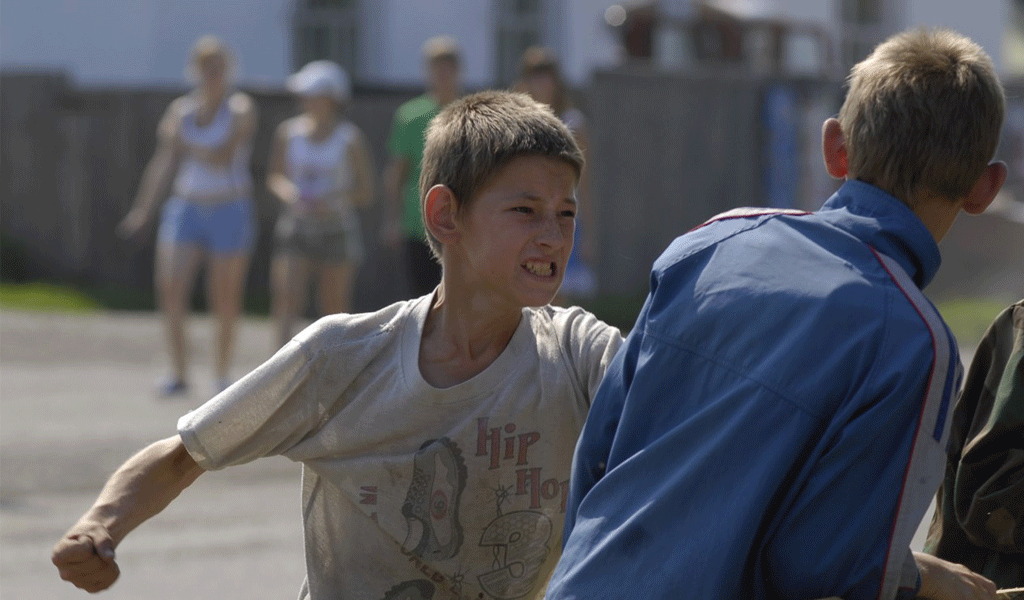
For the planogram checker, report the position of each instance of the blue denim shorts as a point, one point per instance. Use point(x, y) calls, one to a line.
point(224, 228)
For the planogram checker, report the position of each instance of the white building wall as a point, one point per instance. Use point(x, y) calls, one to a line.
point(260, 38)
point(146, 41)
point(984, 21)
point(575, 30)
point(396, 57)
point(100, 42)
point(802, 11)
point(586, 42)
point(394, 32)
point(374, 40)
point(77, 37)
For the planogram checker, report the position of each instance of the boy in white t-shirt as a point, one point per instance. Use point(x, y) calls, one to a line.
point(436, 434)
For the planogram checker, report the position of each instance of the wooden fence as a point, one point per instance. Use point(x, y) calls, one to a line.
point(668, 151)
point(673, 149)
point(71, 160)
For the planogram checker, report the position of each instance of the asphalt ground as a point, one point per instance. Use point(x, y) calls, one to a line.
point(76, 400)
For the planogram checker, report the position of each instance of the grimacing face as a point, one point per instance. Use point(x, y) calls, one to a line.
point(516, 234)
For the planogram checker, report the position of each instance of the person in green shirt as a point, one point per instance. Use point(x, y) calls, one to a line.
point(403, 227)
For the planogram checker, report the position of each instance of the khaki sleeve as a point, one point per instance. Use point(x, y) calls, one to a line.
point(989, 488)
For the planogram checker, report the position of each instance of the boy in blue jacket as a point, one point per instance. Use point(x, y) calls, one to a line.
point(776, 423)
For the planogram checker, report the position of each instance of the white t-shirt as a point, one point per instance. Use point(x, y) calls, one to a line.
point(412, 491)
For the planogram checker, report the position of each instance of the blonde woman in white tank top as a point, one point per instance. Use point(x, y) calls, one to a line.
point(204, 145)
point(320, 170)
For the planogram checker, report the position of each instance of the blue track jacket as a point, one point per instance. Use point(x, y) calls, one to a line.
point(776, 423)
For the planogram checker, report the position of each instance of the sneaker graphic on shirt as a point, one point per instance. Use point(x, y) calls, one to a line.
point(419, 589)
point(519, 542)
point(431, 507)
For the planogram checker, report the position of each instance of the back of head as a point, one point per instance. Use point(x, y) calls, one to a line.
point(922, 116)
point(473, 138)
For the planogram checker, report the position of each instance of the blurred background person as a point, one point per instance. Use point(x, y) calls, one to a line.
point(402, 228)
point(321, 171)
point(540, 76)
point(204, 143)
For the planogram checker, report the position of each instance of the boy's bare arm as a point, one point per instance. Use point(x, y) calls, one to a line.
point(943, 580)
point(142, 487)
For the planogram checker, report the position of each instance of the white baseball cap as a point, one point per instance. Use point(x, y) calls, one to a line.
point(321, 77)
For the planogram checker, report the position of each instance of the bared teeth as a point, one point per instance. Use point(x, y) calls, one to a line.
point(543, 269)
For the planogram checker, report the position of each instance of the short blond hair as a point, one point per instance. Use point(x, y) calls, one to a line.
point(473, 138)
point(923, 115)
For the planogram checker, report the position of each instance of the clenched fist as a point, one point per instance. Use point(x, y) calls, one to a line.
point(85, 557)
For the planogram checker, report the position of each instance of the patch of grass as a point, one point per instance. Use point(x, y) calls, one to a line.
point(969, 318)
point(45, 297)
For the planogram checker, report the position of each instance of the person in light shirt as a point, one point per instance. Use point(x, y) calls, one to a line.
point(321, 171)
point(204, 145)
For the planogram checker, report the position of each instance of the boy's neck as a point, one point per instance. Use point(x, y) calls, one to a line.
point(462, 337)
point(937, 214)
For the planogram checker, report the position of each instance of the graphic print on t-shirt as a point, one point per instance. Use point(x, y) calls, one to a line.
point(512, 547)
point(431, 507)
point(417, 589)
point(519, 541)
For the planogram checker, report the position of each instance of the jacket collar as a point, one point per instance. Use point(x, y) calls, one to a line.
point(886, 224)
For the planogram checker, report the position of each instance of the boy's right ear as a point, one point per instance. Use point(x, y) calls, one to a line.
point(439, 214)
point(833, 149)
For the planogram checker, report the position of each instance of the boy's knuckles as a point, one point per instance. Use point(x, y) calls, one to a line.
point(104, 581)
point(89, 567)
point(73, 554)
point(92, 580)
